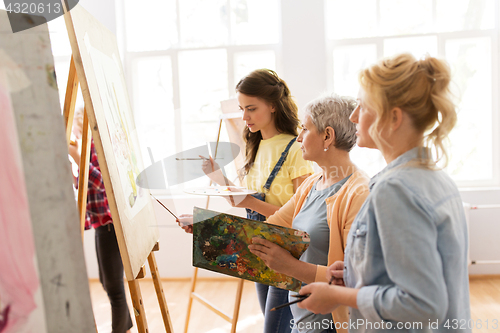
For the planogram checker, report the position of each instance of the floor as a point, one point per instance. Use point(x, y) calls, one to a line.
point(220, 292)
point(484, 297)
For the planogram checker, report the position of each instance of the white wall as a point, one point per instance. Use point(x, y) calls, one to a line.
point(303, 66)
point(484, 229)
point(303, 53)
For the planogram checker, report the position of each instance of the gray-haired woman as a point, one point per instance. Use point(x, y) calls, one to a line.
point(324, 205)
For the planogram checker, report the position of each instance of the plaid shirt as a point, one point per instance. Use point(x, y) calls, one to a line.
point(98, 213)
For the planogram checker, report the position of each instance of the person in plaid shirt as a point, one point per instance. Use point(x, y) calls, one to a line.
point(97, 213)
point(98, 217)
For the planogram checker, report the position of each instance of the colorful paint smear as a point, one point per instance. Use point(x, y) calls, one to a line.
point(220, 244)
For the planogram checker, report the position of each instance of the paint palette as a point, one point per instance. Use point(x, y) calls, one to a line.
point(220, 244)
point(221, 191)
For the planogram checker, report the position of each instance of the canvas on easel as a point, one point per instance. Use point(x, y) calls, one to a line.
point(100, 74)
point(99, 71)
point(43, 278)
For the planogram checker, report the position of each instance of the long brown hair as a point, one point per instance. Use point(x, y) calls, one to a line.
point(267, 85)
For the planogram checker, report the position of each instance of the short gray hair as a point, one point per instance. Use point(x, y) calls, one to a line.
point(334, 111)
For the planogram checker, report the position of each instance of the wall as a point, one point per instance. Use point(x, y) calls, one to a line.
point(484, 228)
point(303, 49)
point(303, 65)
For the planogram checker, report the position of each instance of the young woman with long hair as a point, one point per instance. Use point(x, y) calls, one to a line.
point(273, 167)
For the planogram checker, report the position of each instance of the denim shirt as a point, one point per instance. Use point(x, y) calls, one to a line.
point(407, 253)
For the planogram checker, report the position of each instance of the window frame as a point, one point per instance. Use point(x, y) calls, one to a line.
point(442, 37)
point(129, 57)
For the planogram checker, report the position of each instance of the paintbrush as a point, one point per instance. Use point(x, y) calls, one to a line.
point(300, 298)
point(193, 158)
point(165, 207)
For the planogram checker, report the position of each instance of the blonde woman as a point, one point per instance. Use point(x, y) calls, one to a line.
point(405, 264)
point(324, 206)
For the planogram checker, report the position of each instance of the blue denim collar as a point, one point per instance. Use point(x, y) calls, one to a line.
point(399, 161)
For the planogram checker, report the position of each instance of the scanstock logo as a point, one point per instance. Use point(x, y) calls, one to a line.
point(185, 166)
point(34, 12)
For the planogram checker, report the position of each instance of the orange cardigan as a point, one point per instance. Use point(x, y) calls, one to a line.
point(342, 208)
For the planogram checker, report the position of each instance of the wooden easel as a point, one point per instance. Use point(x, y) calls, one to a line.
point(135, 292)
point(226, 116)
point(68, 113)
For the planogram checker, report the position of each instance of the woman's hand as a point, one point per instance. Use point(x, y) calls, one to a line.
point(243, 201)
point(335, 273)
point(74, 151)
point(323, 298)
point(275, 257)
point(212, 170)
point(208, 166)
point(185, 221)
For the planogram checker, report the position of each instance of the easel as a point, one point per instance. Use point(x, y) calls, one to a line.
point(228, 114)
point(68, 113)
point(69, 106)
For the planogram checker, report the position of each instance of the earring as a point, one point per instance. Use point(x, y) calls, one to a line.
point(326, 149)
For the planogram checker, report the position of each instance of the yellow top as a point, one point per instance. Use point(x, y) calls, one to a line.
point(268, 154)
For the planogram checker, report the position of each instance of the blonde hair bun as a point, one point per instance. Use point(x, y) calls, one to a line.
point(418, 87)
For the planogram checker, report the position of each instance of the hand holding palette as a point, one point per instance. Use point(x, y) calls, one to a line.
point(220, 244)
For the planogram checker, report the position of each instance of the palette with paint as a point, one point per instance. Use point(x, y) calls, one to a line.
point(220, 244)
point(221, 191)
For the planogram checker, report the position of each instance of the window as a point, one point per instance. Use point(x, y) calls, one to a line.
point(464, 32)
point(61, 49)
point(185, 57)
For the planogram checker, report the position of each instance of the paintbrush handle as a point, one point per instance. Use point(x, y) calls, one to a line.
point(194, 159)
point(190, 159)
point(300, 299)
point(164, 207)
